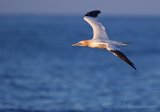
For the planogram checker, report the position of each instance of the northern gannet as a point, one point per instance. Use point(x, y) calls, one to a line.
point(100, 38)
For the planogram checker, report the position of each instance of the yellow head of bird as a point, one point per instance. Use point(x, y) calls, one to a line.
point(81, 43)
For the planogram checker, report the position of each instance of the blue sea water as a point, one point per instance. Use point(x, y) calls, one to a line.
point(41, 72)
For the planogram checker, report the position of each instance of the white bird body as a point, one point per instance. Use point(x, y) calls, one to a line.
point(100, 38)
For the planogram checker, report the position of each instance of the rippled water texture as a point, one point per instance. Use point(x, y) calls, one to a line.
point(41, 72)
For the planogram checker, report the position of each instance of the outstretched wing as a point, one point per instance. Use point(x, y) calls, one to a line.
point(99, 32)
point(119, 54)
point(123, 57)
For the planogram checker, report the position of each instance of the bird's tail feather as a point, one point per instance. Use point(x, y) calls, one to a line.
point(118, 43)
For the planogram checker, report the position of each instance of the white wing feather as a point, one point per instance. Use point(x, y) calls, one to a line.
point(99, 32)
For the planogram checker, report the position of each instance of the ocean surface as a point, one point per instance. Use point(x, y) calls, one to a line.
point(41, 72)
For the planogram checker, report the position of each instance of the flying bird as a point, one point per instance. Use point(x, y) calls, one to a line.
point(100, 38)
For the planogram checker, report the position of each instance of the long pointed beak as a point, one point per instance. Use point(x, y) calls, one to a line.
point(76, 44)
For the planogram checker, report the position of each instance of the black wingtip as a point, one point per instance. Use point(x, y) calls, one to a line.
point(134, 66)
point(123, 57)
point(93, 13)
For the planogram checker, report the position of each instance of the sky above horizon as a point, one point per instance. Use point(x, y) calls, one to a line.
point(60, 7)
